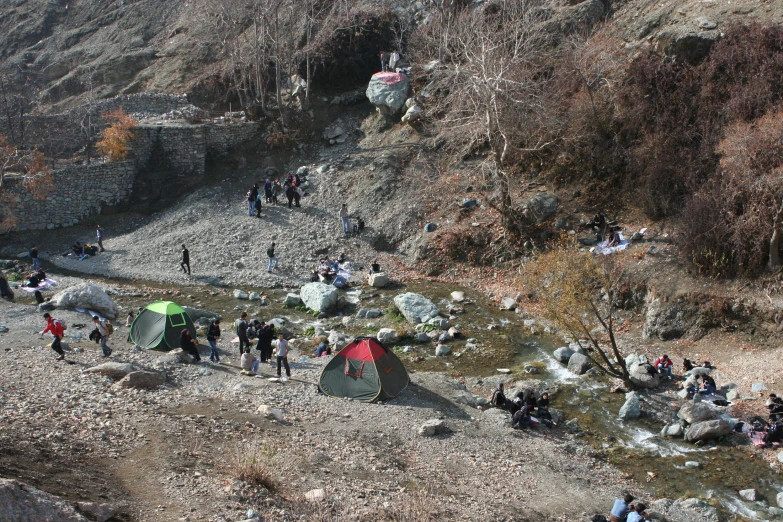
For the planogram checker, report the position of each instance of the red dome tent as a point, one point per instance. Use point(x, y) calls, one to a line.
point(364, 370)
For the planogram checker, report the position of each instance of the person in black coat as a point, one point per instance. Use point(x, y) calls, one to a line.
point(188, 344)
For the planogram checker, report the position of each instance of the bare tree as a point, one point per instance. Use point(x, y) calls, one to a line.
point(30, 167)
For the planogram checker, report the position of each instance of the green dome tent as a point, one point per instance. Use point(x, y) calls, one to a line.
point(364, 371)
point(159, 325)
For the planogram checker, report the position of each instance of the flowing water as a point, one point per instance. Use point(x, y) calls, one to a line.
point(634, 447)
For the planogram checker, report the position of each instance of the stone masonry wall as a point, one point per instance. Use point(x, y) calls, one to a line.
point(79, 192)
point(83, 191)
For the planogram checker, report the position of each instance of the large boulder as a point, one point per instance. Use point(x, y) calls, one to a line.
point(415, 307)
point(388, 92)
point(87, 296)
point(115, 370)
point(693, 412)
point(563, 354)
point(319, 296)
point(540, 207)
point(641, 372)
point(141, 380)
point(197, 314)
point(684, 510)
point(706, 430)
point(20, 502)
point(632, 408)
point(579, 363)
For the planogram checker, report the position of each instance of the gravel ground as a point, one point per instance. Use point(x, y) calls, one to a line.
point(170, 453)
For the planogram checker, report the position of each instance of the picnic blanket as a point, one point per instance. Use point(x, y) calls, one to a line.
point(602, 248)
point(93, 314)
point(43, 285)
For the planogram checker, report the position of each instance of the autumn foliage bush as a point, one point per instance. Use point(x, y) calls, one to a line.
point(115, 138)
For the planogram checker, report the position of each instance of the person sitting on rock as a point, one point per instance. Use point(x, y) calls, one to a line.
point(774, 434)
point(691, 385)
point(664, 365)
point(621, 508)
point(188, 344)
point(323, 348)
point(249, 363)
point(708, 385)
point(521, 418)
point(775, 406)
point(542, 410)
point(375, 267)
point(637, 514)
point(498, 399)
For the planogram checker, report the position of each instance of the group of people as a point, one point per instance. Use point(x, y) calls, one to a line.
point(523, 407)
point(389, 61)
point(264, 334)
point(292, 189)
point(624, 511)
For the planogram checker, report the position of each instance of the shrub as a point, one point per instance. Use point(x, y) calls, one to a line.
point(394, 315)
point(115, 138)
point(252, 465)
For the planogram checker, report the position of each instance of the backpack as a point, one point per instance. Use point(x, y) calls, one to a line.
point(270, 252)
point(62, 323)
point(109, 328)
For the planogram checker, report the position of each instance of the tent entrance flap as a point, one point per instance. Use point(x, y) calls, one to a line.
point(354, 368)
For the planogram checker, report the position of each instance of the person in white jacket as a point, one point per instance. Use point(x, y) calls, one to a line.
point(104, 331)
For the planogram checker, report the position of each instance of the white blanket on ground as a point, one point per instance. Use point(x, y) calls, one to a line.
point(93, 314)
point(43, 285)
point(602, 248)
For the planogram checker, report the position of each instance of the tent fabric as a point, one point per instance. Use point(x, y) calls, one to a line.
point(364, 370)
point(159, 326)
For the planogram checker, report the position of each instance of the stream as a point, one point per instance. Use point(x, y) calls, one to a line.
point(633, 447)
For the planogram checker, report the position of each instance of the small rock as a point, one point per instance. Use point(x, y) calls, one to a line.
point(508, 303)
point(632, 408)
point(292, 300)
point(372, 314)
point(254, 296)
point(240, 294)
point(749, 494)
point(442, 349)
point(141, 380)
point(378, 280)
point(386, 336)
point(458, 297)
point(692, 464)
point(270, 413)
point(315, 495)
point(757, 387)
point(432, 427)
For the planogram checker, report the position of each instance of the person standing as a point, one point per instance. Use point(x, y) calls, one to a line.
point(258, 205)
point(268, 190)
point(384, 60)
point(99, 233)
point(290, 191)
point(104, 331)
point(395, 57)
point(34, 258)
point(244, 342)
point(345, 218)
point(270, 253)
point(188, 344)
point(213, 334)
point(282, 355)
point(264, 345)
point(185, 260)
point(55, 327)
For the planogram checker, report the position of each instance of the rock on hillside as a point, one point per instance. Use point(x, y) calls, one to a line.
point(388, 92)
point(22, 503)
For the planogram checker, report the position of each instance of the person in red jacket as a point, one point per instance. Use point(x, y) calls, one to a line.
point(664, 365)
point(56, 328)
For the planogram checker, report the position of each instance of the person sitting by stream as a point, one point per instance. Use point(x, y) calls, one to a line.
point(498, 399)
point(637, 514)
point(708, 385)
point(621, 508)
point(78, 250)
point(775, 406)
point(375, 268)
point(542, 410)
point(664, 365)
point(323, 348)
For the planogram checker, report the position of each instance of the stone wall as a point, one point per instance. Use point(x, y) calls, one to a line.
point(83, 191)
point(79, 193)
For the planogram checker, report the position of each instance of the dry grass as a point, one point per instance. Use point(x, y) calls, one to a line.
point(252, 465)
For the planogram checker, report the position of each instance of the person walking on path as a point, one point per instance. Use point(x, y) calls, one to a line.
point(213, 334)
point(282, 355)
point(270, 253)
point(34, 257)
point(99, 233)
point(185, 264)
point(189, 345)
point(345, 217)
point(244, 342)
point(55, 327)
point(104, 331)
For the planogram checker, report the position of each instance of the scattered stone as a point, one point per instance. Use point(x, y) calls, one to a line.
point(254, 296)
point(141, 380)
point(749, 494)
point(540, 207)
point(563, 354)
point(115, 370)
point(387, 336)
point(270, 413)
point(22, 502)
point(442, 349)
point(372, 314)
point(292, 300)
point(692, 464)
point(98, 512)
point(240, 294)
point(757, 387)
point(706, 430)
point(440, 323)
point(415, 307)
point(693, 412)
point(315, 495)
point(422, 337)
point(632, 408)
point(378, 280)
point(457, 296)
point(733, 395)
point(503, 370)
point(779, 499)
point(432, 427)
point(508, 303)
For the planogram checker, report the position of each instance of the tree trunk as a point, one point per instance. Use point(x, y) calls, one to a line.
point(774, 242)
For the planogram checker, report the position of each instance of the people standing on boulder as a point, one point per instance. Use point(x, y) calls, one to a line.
point(185, 264)
point(244, 342)
point(55, 327)
point(34, 258)
point(395, 57)
point(620, 508)
point(103, 329)
point(345, 218)
point(384, 60)
point(189, 345)
point(99, 233)
point(282, 355)
point(270, 253)
point(213, 334)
